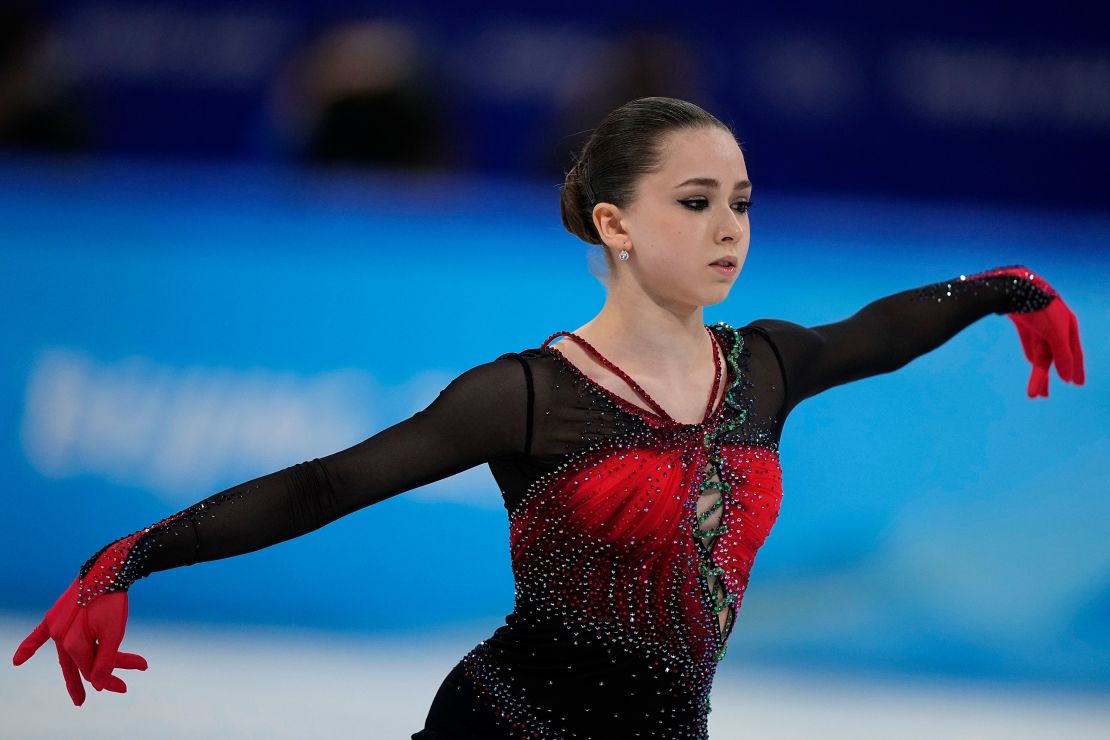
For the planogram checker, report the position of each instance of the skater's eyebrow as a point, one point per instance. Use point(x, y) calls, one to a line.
point(710, 182)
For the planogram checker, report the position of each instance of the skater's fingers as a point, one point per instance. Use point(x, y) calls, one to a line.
point(131, 661)
point(72, 677)
point(31, 643)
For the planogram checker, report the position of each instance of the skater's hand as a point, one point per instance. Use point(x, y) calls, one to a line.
point(1050, 335)
point(87, 639)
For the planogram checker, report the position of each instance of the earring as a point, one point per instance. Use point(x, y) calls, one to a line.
point(623, 255)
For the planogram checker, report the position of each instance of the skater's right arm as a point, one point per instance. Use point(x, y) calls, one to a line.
point(479, 416)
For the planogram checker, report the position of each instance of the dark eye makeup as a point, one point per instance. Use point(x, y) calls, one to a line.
point(699, 204)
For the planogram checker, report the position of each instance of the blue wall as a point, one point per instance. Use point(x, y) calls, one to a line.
point(171, 330)
point(945, 99)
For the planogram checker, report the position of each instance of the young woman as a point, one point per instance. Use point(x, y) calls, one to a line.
point(637, 456)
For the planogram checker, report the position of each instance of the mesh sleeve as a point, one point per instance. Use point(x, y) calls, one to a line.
point(481, 415)
point(889, 332)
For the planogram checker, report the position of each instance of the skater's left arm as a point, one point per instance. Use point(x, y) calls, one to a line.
point(889, 332)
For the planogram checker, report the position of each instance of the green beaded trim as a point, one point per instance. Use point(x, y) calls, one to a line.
point(711, 570)
point(734, 363)
point(720, 485)
point(709, 512)
point(720, 605)
point(711, 532)
point(730, 395)
point(707, 567)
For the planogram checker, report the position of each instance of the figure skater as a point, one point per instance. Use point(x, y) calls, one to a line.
point(637, 456)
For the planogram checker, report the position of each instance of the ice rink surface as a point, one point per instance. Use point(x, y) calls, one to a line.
point(256, 682)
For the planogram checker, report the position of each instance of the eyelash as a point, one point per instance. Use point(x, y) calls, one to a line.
point(689, 201)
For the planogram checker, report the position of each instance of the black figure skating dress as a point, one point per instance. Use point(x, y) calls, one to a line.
point(632, 535)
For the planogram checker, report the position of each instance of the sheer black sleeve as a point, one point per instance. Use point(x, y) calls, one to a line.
point(888, 333)
point(480, 416)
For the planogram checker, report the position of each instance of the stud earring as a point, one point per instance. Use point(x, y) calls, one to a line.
point(623, 255)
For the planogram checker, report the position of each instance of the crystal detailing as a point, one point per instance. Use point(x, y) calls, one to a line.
point(1017, 287)
point(632, 556)
point(119, 564)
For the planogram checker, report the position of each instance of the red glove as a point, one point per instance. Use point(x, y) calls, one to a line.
point(87, 639)
point(1049, 334)
point(87, 622)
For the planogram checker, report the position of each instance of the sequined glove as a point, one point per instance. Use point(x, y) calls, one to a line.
point(1049, 334)
point(87, 638)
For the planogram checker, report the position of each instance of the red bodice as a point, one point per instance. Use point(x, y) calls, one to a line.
point(652, 534)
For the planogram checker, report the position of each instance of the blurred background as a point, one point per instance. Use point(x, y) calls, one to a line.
point(236, 236)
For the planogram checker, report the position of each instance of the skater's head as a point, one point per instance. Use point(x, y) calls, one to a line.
point(665, 180)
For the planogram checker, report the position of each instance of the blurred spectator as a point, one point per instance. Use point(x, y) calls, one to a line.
point(360, 95)
point(38, 111)
point(644, 62)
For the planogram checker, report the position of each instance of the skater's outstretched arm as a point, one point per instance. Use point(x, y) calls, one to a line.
point(887, 333)
point(480, 416)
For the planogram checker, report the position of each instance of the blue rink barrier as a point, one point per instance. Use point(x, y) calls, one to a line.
point(175, 330)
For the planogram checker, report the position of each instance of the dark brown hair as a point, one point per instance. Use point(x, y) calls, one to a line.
point(624, 147)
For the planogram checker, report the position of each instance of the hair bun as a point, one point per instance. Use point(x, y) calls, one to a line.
point(576, 202)
point(625, 146)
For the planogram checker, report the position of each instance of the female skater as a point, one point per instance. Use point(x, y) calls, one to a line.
point(637, 456)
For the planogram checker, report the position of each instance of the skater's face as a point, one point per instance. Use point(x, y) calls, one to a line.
point(687, 214)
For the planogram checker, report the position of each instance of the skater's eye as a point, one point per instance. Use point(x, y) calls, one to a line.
point(699, 204)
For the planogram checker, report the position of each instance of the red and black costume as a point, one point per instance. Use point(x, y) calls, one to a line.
point(632, 535)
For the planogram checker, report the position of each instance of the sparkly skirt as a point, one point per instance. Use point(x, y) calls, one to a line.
point(535, 680)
